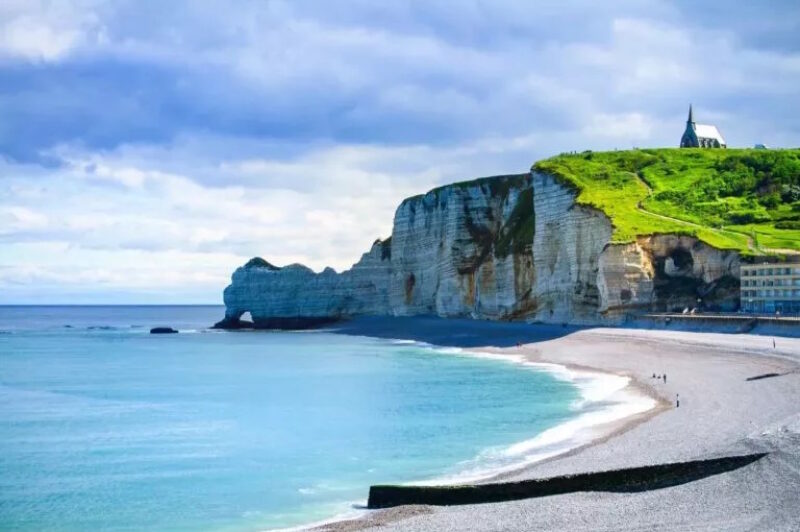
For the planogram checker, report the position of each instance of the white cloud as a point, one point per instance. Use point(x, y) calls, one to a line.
point(19, 219)
point(627, 127)
point(39, 30)
point(292, 130)
point(137, 226)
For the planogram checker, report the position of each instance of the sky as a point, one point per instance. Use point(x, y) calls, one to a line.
point(149, 148)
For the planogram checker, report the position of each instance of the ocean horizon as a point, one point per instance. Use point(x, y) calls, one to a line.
point(107, 426)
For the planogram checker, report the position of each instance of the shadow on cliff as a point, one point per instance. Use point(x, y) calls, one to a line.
point(451, 331)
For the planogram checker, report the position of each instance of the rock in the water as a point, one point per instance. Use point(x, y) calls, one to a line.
point(163, 330)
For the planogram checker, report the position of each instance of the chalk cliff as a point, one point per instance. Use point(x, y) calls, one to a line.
point(465, 250)
point(505, 247)
point(583, 277)
point(459, 250)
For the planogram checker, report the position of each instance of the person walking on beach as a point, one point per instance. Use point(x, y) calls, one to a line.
point(773, 343)
point(677, 400)
point(665, 378)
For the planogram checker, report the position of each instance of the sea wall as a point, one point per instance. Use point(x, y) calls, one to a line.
point(630, 480)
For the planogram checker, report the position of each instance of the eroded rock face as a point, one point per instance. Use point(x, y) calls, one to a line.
point(294, 296)
point(667, 273)
point(460, 250)
point(465, 250)
point(508, 247)
point(567, 243)
point(582, 277)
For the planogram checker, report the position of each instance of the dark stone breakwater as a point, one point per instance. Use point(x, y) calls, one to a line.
point(627, 480)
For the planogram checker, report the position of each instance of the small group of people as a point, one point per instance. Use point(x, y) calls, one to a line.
point(677, 396)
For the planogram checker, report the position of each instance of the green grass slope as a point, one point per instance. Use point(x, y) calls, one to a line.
point(742, 199)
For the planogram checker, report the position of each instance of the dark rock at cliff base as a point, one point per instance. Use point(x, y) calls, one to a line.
point(283, 323)
point(233, 324)
point(163, 330)
point(295, 322)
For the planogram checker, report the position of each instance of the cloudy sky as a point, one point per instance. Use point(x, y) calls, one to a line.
point(148, 148)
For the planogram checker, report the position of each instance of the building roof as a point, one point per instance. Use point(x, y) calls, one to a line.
point(707, 131)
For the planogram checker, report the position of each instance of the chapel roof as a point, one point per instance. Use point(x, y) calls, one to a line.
point(707, 131)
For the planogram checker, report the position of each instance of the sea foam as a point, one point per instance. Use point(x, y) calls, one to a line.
point(605, 401)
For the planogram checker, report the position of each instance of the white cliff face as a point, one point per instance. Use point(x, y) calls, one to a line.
point(582, 277)
point(509, 247)
point(296, 291)
point(625, 278)
point(460, 250)
point(463, 251)
point(667, 273)
point(567, 243)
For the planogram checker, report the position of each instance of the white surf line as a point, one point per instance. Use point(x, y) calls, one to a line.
point(606, 398)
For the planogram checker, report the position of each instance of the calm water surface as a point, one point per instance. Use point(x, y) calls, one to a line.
point(105, 426)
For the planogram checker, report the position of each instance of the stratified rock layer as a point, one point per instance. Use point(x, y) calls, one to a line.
point(582, 277)
point(506, 247)
point(460, 250)
point(291, 296)
point(567, 243)
point(464, 250)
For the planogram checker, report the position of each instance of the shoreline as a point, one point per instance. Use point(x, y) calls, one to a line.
point(588, 432)
point(652, 436)
point(600, 432)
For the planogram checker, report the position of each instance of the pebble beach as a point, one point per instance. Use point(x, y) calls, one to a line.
point(723, 411)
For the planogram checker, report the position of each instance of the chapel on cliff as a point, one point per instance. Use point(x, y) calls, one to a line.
point(701, 135)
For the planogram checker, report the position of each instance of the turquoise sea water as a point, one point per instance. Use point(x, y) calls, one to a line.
point(107, 427)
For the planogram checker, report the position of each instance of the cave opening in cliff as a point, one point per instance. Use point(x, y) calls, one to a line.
point(682, 260)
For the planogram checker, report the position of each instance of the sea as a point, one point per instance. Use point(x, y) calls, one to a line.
point(104, 426)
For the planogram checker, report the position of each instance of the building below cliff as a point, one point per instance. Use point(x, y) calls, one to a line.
point(771, 287)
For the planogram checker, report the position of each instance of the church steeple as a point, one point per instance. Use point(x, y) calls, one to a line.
point(690, 120)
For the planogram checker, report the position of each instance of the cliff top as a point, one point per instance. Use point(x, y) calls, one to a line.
point(499, 185)
point(742, 199)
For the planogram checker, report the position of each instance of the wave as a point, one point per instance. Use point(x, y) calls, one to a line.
point(357, 511)
point(605, 399)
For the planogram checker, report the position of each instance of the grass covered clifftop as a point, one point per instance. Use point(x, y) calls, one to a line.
point(742, 199)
